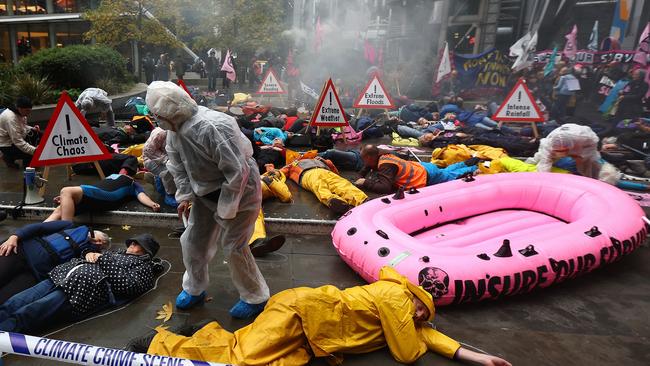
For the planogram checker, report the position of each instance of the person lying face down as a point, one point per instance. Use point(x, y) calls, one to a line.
point(301, 323)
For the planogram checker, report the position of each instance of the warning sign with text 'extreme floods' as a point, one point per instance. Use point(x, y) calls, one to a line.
point(270, 84)
point(519, 106)
point(329, 111)
point(374, 95)
point(68, 138)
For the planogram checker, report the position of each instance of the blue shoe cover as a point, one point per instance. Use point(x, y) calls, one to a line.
point(186, 301)
point(170, 201)
point(244, 310)
point(159, 186)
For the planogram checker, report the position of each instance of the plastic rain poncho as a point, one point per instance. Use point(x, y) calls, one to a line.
point(94, 100)
point(579, 142)
point(327, 321)
point(211, 161)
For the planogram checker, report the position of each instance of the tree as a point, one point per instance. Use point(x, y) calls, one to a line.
point(117, 22)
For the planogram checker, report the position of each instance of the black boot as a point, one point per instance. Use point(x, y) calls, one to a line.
point(264, 246)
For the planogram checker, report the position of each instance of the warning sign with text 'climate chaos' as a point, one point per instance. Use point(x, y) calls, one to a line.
point(374, 95)
point(68, 138)
point(271, 84)
point(519, 106)
point(329, 111)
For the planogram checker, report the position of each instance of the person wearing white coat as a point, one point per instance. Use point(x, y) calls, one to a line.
point(95, 100)
point(212, 164)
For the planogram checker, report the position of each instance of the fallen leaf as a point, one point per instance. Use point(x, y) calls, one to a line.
point(126, 227)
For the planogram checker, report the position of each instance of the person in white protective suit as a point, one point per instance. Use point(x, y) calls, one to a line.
point(95, 100)
point(212, 164)
point(569, 140)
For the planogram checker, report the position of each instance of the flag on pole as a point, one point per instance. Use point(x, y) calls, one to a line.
point(551, 63)
point(620, 21)
point(228, 68)
point(444, 68)
point(593, 38)
point(570, 48)
point(309, 91)
point(318, 36)
point(643, 48)
point(292, 70)
point(522, 50)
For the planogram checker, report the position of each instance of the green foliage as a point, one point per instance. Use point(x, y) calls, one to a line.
point(6, 81)
point(35, 88)
point(117, 22)
point(75, 66)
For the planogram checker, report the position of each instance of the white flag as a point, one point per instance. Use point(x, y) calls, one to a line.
point(445, 64)
point(522, 50)
point(593, 38)
point(309, 91)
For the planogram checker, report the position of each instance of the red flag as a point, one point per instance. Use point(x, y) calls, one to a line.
point(369, 52)
point(228, 68)
point(318, 36)
point(292, 70)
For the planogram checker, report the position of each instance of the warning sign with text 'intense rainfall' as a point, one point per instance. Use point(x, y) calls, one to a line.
point(68, 138)
point(329, 111)
point(519, 106)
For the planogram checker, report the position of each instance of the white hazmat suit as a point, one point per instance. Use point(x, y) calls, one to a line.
point(212, 164)
point(95, 100)
point(576, 141)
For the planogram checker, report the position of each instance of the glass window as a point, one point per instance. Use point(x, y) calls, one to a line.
point(70, 33)
point(462, 38)
point(71, 6)
point(31, 38)
point(3, 7)
point(465, 7)
point(29, 7)
point(5, 48)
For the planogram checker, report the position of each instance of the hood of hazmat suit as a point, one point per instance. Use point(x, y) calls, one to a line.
point(170, 102)
point(93, 97)
point(579, 142)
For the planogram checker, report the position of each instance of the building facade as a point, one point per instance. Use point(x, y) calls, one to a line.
point(27, 26)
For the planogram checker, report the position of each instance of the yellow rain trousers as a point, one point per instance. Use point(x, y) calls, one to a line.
point(278, 188)
point(452, 154)
point(327, 185)
point(512, 165)
point(323, 322)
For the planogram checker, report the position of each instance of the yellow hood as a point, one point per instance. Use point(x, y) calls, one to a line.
point(390, 274)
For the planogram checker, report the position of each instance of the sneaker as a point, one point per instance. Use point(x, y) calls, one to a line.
point(338, 206)
point(244, 310)
point(186, 301)
point(264, 246)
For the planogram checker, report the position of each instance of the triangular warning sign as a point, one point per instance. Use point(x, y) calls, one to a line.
point(374, 95)
point(68, 138)
point(329, 111)
point(181, 83)
point(519, 106)
point(270, 84)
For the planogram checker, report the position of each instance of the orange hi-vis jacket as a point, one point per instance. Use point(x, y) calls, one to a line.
point(410, 174)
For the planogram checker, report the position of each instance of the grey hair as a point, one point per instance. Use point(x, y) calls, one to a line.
point(104, 238)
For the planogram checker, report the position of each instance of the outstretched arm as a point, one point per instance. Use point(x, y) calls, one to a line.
point(145, 200)
point(464, 354)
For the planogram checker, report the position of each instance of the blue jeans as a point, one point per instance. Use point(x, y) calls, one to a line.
point(345, 160)
point(35, 307)
point(437, 175)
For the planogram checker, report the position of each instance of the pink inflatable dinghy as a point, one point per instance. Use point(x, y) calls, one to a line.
point(492, 236)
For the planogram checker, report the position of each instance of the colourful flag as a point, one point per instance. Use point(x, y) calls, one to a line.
point(228, 68)
point(593, 38)
point(369, 52)
point(643, 48)
point(522, 50)
point(551, 63)
point(570, 48)
point(292, 70)
point(318, 36)
point(620, 21)
point(444, 68)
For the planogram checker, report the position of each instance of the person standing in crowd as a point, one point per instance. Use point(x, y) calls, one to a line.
point(179, 66)
point(162, 67)
point(95, 100)
point(211, 161)
point(255, 74)
point(212, 66)
point(13, 131)
point(149, 67)
point(630, 100)
point(565, 89)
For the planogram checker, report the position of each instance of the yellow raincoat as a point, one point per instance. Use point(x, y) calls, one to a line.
point(512, 165)
point(323, 322)
point(452, 154)
point(276, 188)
